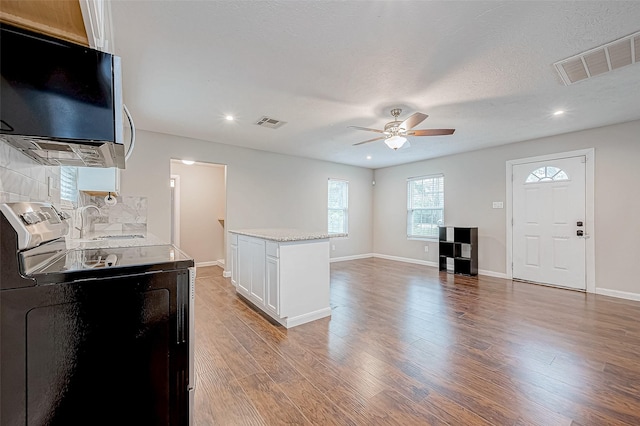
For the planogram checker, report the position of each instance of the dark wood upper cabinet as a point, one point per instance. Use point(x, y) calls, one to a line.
point(56, 18)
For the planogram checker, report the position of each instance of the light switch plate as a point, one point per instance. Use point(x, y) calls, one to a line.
point(498, 205)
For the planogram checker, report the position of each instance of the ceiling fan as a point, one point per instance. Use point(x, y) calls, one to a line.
point(395, 132)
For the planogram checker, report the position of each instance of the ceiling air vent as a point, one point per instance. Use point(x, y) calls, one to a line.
point(602, 59)
point(271, 123)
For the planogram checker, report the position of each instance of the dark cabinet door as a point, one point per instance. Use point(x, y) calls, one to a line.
point(100, 352)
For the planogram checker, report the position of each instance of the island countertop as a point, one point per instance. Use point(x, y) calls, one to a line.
point(285, 234)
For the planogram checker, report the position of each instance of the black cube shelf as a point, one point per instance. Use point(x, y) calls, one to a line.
point(463, 249)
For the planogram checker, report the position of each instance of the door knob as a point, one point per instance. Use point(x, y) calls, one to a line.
point(579, 223)
point(580, 233)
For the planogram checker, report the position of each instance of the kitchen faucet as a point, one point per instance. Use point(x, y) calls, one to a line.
point(81, 211)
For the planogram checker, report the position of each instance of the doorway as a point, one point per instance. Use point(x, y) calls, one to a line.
point(198, 210)
point(550, 220)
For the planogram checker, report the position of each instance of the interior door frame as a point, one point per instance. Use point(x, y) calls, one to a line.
point(590, 246)
point(175, 211)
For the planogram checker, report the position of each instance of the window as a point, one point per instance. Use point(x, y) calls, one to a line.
point(547, 174)
point(69, 184)
point(338, 206)
point(425, 206)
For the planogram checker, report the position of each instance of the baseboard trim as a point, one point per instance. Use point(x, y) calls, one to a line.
point(308, 317)
point(226, 274)
point(355, 257)
point(619, 294)
point(221, 263)
point(414, 261)
point(492, 274)
point(209, 263)
point(406, 260)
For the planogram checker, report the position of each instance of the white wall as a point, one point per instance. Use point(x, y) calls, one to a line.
point(264, 190)
point(473, 180)
point(273, 190)
point(202, 203)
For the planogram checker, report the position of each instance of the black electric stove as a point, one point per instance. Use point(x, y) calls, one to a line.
point(97, 336)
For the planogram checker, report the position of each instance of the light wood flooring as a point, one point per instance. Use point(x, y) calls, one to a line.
point(407, 345)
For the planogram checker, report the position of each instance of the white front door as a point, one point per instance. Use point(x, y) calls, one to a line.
point(548, 217)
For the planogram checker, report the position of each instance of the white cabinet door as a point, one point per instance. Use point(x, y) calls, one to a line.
point(251, 268)
point(272, 301)
point(234, 265)
point(245, 266)
point(257, 270)
point(99, 179)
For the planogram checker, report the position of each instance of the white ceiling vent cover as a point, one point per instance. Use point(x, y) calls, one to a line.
point(271, 123)
point(602, 59)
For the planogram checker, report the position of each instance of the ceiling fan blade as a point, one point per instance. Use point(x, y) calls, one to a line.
point(413, 120)
point(367, 129)
point(370, 140)
point(431, 132)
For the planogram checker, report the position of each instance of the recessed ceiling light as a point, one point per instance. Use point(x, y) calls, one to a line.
point(368, 157)
point(188, 162)
point(558, 112)
point(229, 117)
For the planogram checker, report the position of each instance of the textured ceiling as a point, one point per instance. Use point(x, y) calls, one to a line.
point(483, 68)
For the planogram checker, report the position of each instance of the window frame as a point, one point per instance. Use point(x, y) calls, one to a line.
point(411, 208)
point(559, 176)
point(344, 209)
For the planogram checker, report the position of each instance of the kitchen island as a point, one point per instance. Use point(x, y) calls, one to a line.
point(282, 272)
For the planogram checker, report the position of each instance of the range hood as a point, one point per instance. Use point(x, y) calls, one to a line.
point(60, 103)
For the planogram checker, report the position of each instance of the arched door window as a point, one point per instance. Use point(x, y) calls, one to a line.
point(547, 174)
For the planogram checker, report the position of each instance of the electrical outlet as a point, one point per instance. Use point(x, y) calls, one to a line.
point(426, 249)
point(333, 247)
point(498, 205)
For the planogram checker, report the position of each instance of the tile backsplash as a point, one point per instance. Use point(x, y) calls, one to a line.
point(127, 216)
point(22, 179)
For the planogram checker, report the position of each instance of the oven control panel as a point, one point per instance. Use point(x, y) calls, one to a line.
point(35, 222)
point(45, 213)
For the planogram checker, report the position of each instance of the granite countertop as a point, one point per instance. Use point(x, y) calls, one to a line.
point(285, 234)
point(114, 240)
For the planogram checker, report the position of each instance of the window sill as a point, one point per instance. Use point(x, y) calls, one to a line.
point(430, 239)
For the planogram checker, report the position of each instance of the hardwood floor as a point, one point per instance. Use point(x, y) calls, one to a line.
point(407, 345)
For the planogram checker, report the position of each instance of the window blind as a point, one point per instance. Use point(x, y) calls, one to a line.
point(69, 184)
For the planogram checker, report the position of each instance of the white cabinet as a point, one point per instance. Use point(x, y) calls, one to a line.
point(272, 300)
point(251, 268)
point(287, 280)
point(243, 284)
point(234, 260)
point(257, 270)
point(99, 179)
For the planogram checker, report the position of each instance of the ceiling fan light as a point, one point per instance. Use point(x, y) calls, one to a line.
point(395, 142)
